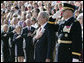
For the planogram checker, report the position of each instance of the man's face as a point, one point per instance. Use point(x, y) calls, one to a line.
point(34, 14)
point(35, 6)
point(5, 28)
point(65, 13)
point(59, 6)
point(40, 19)
point(17, 29)
point(29, 23)
point(29, 8)
point(16, 21)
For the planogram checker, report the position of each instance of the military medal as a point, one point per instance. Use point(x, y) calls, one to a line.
point(66, 35)
point(67, 29)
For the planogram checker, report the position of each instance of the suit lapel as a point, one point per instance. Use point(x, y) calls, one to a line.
point(46, 26)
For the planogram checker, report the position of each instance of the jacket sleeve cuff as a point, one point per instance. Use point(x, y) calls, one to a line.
point(76, 55)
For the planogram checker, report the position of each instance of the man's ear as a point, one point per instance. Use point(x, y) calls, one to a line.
point(46, 19)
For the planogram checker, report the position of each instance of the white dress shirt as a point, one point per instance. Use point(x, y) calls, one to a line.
point(29, 28)
point(42, 29)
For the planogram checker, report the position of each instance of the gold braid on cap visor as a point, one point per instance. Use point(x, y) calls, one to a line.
point(51, 22)
point(68, 8)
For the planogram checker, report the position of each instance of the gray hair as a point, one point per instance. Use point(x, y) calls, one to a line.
point(27, 20)
point(5, 25)
point(18, 26)
point(44, 14)
point(28, 16)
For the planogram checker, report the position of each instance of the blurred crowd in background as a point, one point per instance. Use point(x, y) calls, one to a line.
point(17, 12)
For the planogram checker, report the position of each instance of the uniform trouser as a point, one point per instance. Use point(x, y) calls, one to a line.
point(63, 53)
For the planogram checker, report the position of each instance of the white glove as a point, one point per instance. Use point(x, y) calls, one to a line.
point(57, 15)
point(75, 60)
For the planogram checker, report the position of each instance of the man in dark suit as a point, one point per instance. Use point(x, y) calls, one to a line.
point(5, 46)
point(44, 40)
point(27, 34)
point(12, 45)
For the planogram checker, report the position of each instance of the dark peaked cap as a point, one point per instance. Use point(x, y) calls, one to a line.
point(67, 6)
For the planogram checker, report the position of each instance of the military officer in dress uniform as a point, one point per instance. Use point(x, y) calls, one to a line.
point(69, 44)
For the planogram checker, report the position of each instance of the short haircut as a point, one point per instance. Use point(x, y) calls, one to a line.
point(44, 14)
point(27, 20)
point(5, 25)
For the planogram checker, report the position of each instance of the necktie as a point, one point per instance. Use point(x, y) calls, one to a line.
point(40, 29)
point(29, 29)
